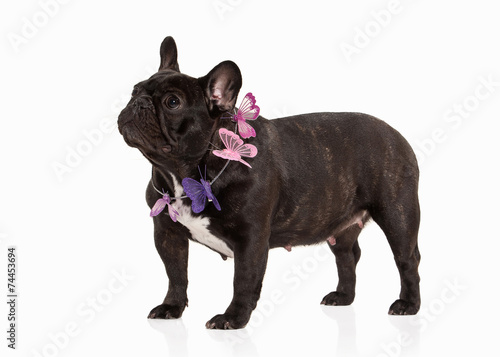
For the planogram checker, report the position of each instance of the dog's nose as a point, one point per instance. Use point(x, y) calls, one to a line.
point(143, 102)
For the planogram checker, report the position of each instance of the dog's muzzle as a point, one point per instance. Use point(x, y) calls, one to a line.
point(142, 103)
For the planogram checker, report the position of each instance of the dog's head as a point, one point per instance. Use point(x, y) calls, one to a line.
point(171, 117)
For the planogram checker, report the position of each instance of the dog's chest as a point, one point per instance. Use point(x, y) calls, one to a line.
point(198, 226)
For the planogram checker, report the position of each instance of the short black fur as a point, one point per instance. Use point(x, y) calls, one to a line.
point(317, 177)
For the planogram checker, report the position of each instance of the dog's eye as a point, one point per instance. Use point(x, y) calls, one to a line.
point(135, 91)
point(173, 102)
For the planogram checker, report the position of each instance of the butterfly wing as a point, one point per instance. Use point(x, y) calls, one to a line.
point(235, 145)
point(250, 114)
point(226, 154)
point(159, 206)
point(215, 202)
point(246, 130)
point(173, 213)
point(231, 141)
point(209, 194)
point(196, 192)
point(248, 110)
point(247, 150)
point(235, 148)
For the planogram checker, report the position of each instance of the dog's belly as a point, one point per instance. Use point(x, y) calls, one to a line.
point(308, 232)
point(198, 226)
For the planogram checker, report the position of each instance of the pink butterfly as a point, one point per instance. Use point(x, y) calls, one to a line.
point(159, 206)
point(247, 111)
point(235, 148)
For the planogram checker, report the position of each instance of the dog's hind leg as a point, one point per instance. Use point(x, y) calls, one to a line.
point(347, 254)
point(399, 218)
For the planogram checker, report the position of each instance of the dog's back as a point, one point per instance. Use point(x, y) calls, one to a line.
point(334, 169)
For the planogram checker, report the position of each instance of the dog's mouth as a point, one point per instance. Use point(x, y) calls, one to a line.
point(140, 129)
point(131, 134)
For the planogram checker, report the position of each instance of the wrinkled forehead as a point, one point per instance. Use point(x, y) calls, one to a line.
point(170, 82)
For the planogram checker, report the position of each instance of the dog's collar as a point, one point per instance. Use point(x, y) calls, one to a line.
point(185, 196)
point(200, 191)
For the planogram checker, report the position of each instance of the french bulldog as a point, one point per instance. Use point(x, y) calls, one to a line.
point(317, 178)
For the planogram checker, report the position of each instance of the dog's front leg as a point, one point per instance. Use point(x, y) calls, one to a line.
point(250, 262)
point(173, 246)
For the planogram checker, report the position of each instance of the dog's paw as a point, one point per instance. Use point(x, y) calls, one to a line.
point(165, 311)
point(337, 299)
point(402, 307)
point(226, 322)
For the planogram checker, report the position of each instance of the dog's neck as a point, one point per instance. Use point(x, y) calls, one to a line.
point(162, 174)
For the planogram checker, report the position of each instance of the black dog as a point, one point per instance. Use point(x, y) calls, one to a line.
point(316, 178)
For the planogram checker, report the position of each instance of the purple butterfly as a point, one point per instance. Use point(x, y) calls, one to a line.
point(159, 206)
point(199, 193)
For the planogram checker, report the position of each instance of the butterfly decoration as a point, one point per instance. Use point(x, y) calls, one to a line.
point(247, 111)
point(199, 192)
point(159, 206)
point(235, 148)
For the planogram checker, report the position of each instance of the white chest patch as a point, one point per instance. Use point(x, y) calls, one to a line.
point(198, 226)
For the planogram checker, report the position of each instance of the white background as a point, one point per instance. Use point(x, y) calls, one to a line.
point(67, 70)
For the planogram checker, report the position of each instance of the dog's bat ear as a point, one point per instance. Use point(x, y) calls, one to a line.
point(168, 54)
point(221, 86)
